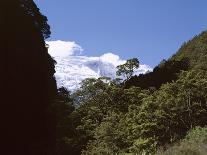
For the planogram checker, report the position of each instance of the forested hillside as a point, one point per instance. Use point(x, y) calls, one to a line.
point(143, 114)
point(161, 112)
point(195, 51)
point(192, 55)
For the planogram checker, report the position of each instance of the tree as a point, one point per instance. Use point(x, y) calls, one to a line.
point(128, 68)
point(39, 20)
point(166, 71)
point(65, 132)
point(107, 138)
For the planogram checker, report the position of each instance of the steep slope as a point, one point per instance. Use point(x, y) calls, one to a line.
point(166, 71)
point(195, 50)
point(191, 55)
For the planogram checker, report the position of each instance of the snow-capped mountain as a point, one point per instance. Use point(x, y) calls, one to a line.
point(70, 71)
point(71, 68)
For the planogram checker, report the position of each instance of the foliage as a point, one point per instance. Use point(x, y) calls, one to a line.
point(128, 68)
point(39, 20)
point(166, 71)
point(113, 120)
point(156, 120)
point(194, 143)
point(195, 51)
point(174, 109)
point(145, 112)
point(139, 116)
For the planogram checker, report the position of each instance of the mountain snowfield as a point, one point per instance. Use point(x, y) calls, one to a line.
point(72, 67)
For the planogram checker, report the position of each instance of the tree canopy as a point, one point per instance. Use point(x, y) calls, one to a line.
point(144, 114)
point(39, 20)
point(128, 68)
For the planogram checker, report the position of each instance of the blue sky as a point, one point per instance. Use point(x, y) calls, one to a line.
point(150, 30)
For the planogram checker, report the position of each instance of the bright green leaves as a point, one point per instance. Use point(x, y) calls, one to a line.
point(194, 143)
point(112, 120)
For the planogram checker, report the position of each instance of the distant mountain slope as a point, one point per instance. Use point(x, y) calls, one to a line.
point(195, 50)
point(71, 70)
point(166, 71)
point(191, 55)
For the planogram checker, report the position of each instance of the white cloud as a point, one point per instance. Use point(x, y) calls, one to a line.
point(72, 68)
point(142, 69)
point(63, 48)
point(112, 58)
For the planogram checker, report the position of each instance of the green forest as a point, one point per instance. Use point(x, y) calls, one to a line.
point(163, 112)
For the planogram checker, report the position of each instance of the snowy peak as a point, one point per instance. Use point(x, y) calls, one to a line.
point(72, 68)
point(70, 71)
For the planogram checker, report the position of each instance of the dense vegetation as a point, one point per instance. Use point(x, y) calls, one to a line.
point(166, 71)
point(111, 119)
point(194, 143)
point(144, 114)
point(161, 112)
point(195, 50)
